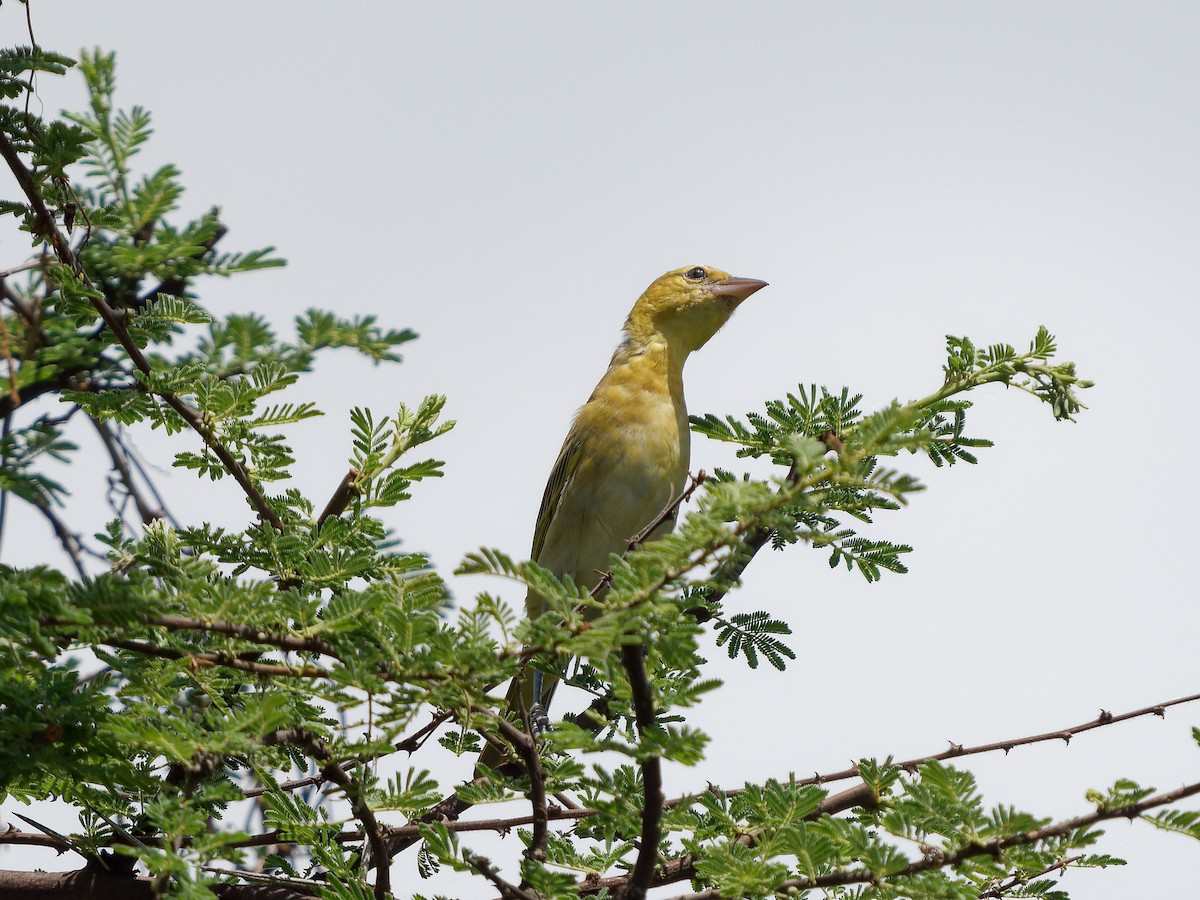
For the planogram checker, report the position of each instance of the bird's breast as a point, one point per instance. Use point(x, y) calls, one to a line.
point(633, 462)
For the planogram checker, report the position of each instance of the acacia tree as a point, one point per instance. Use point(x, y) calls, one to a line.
point(178, 671)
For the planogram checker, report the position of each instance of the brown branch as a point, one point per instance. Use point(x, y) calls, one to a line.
point(669, 511)
point(526, 747)
point(410, 744)
point(36, 263)
point(508, 890)
point(355, 793)
point(62, 249)
point(633, 658)
point(342, 495)
point(997, 891)
point(683, 868)
point(94, 883)
point(62, 380)
point(70, 541)
point(207, 660)
point(248, 632)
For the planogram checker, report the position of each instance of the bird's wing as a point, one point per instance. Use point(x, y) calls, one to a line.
point(560, 476)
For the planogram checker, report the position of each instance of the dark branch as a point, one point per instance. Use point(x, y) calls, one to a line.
point(341, 498)
point(640, 879)
point(957, 750)
point(526, 748)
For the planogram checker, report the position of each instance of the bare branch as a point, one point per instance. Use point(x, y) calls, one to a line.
point(71, 543)
point(957, 750)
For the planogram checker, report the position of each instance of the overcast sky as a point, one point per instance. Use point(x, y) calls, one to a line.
point(506, 179)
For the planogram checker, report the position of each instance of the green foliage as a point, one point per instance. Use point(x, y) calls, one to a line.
point(750, 634)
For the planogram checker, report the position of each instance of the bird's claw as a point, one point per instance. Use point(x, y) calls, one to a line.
point(539, 719)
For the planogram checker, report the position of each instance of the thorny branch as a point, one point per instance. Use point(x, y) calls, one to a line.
point(205, 660)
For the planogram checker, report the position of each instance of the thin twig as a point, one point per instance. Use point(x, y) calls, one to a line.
point(508, 890)
point(669, 511)
point(117, 454)
point(998, 890)
point(247, 632)
point(35, 263)
point(409, 744)
point(957, 750)
point(70, 542)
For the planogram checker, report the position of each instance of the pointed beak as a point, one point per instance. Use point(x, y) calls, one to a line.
point(737, 288)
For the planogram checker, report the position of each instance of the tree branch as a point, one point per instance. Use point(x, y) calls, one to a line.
point(205, 660)
point(526, 747)
point(957, 750)
point(508, 890)
point(62, 249)
point(116, 453)
point(355, 793)
point(70, 541)
point(640, 879)
point(94, 883)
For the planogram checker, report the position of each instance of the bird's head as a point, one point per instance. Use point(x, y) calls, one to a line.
point(688, 306)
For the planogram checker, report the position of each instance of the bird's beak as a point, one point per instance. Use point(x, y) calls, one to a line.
point(737, 288)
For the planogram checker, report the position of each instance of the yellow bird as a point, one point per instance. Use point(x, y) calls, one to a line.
point(626, 455)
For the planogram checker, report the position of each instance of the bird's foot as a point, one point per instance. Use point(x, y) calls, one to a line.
point(539, 719)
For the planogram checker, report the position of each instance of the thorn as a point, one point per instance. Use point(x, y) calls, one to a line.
point(44, 829)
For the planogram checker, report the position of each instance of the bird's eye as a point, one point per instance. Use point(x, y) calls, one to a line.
point(697, 273)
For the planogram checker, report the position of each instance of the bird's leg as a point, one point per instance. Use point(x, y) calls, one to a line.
point(539, 716)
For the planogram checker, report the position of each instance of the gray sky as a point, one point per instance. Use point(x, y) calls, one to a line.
point(506, 180)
